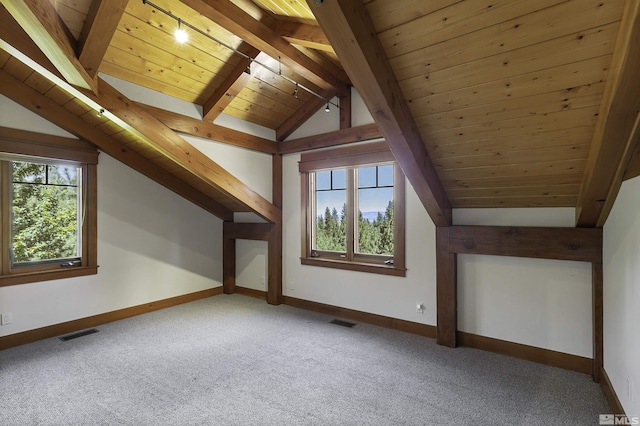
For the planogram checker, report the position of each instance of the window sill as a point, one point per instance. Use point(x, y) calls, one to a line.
point(355, 266)
point(31, 277)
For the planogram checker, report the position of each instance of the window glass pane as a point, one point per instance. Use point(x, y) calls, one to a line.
point(339, 179)
point(44, 221)
point(331, 219)
point(323, 180)
point(375, 221)
point(366, 177)
point(385, 175)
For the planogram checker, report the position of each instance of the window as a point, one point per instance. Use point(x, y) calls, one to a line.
point(353, 208)
point(47, 208)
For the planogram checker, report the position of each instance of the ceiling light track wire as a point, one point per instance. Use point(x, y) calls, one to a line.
point(244, 55)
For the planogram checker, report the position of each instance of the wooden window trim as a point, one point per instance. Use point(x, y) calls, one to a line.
point(353, 156)
point(43, 146)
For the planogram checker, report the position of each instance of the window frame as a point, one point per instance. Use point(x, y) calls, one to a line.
point(351, 158)
point(29, 146)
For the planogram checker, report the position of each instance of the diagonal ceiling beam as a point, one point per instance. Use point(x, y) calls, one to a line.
point(230, 87)
point(237, 21)
point(306, 35)
point(42, 23)
point(203, 129)
point(164, 140)
point(13, 33)
point(46, 108)
point(615, 136)
point(99, 27)
point(348, 26)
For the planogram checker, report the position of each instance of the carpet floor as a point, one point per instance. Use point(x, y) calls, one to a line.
point(235, 360)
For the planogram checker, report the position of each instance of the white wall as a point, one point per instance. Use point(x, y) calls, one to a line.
point(542, 303)
point(537, 302)
point(622, 296)
point(251, 167)
point(152, 245)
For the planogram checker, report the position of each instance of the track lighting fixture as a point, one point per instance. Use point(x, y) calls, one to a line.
point(183, 37)
point(327, 109)
point(100, 112)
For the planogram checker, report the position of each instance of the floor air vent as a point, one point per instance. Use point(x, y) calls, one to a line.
point(342, 323)
point(78, 334)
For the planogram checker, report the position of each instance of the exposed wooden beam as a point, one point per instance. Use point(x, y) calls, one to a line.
point(229, 88)
point(302, 34)
point(228, 260)
point(246, 231)
point(274, 289)
point(12, 34)
point(48, 109)
point(613, 142)
point(348, 26)
point(203, 129)
point(339, 137)
point(161, 138)
point(345, 111)
point(299, 117)
point(41, 22)
point(446, 290)
point(577, 244)
point(99, 27)
point(237, 21)
point(597, 288)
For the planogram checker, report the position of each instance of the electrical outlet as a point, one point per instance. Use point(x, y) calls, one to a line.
point(291, 285)
point(420, 308)
point(6, 319)
point(262, 280)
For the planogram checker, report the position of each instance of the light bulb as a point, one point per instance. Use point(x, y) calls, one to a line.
point(181, 35)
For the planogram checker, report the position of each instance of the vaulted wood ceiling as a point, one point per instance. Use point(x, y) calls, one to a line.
point(485, 103)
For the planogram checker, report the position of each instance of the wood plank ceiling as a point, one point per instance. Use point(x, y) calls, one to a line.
point(505, 95)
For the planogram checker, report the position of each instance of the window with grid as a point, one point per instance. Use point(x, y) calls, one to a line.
point(353, 207)
point(47, 208)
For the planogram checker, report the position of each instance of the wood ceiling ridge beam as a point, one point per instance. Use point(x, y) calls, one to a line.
point(42, 23)
point(615, 137)
point(353, 36)
point(238, 22)
point(202, 129)
point(97, 32)
point(58, 115)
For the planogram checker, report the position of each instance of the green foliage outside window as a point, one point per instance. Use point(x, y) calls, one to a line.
point(44, 212)
point(374, 237)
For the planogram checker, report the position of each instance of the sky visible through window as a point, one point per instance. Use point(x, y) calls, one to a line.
point(373, 196)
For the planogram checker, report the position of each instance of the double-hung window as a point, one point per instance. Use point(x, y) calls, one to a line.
point(47, 207)
point(353, 209)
